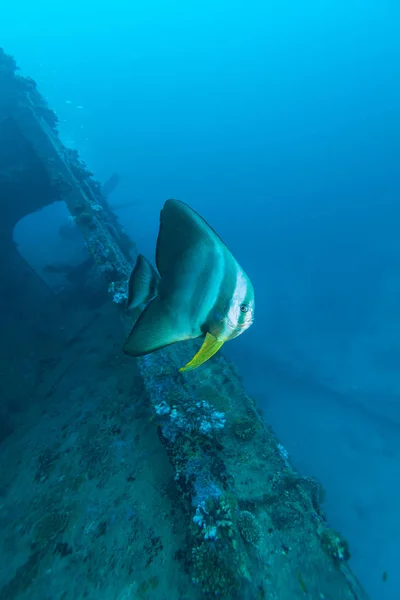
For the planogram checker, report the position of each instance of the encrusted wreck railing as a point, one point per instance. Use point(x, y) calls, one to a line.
point(255, 526)
point(68, 177)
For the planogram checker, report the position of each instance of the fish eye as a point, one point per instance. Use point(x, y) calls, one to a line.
point(244, 308)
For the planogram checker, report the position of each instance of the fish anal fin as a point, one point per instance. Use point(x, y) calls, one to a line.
point(154, 329)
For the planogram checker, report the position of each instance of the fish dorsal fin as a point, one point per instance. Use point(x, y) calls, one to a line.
point(155, 329)
point(181, 229)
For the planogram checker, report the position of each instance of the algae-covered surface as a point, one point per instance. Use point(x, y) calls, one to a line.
point(257, 529)
point(96, 502)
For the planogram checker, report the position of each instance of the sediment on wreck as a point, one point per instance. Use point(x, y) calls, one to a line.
point(255, 527)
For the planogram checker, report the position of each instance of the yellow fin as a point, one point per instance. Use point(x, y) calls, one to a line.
point(210, 346)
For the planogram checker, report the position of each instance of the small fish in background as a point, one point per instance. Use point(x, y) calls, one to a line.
point(79, 106)
point(200, 290)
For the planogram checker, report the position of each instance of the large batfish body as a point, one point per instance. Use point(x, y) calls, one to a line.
point(200, 290)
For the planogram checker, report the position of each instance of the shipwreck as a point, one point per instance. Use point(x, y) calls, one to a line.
point(251, 526)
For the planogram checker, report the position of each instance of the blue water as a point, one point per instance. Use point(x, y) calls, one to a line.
point(280, 124)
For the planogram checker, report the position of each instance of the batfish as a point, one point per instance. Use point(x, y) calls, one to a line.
point(200, 290)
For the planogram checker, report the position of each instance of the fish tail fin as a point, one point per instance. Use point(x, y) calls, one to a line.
point(153, 330)
point(143, 284)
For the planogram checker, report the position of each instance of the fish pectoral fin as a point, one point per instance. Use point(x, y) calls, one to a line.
point(153, 330)
point(210, 346)
point(143, 283)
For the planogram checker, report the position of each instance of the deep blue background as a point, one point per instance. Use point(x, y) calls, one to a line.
point(281, 125)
